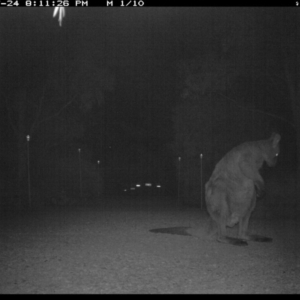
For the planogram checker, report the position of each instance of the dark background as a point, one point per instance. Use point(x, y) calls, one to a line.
point(137, 88)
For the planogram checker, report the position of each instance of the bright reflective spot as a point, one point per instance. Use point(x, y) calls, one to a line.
point(138, 185)
point(60, 11)
point(158, 186)
point(148, 184)
point(125, 190)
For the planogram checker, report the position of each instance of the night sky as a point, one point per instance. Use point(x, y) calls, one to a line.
point(134, 55)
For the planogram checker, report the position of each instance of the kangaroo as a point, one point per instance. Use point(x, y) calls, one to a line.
point(234, 185)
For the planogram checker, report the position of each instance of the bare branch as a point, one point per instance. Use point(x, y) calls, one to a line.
point(9, 116)
point(57, 113)
point(291, 87)
point(258, 111)
point(38, 112)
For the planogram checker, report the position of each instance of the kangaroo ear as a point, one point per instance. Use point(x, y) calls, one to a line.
point(275, 138)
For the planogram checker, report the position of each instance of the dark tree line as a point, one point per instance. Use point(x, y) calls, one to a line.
point(244, 88)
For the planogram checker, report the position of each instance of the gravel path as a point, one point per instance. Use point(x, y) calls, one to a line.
point(111, 250)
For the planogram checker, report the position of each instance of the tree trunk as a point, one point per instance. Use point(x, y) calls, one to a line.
point(21, 151)
point(294, 94)
point(294, 91)
point(297, 122)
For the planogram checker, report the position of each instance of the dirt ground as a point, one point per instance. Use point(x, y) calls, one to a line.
point(109, 249)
